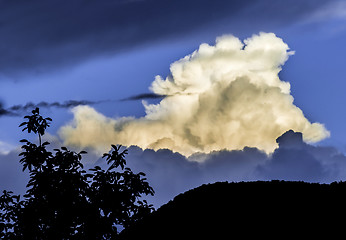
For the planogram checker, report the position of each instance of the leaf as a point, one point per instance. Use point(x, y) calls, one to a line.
point(64, 148)
point(96, 168)
point(36, 110)
point(22, 124)
point(111, 167)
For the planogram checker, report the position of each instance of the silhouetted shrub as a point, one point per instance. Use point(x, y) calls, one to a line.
point(64, 201)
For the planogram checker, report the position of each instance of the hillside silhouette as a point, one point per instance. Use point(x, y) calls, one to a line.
point(248, 210)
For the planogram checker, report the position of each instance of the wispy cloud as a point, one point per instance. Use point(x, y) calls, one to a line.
point(144, 96)
point(332, 10)
point(6, 112)
point(18, 110)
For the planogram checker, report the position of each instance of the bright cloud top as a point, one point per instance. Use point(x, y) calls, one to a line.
point(226, 96)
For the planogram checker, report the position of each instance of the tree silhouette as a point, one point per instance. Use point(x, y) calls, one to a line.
point(64, 201)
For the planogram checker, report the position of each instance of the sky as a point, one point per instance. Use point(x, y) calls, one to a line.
point(200, 91)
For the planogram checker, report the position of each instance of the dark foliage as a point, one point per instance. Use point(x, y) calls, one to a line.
point(249, 210)
point(64, 201)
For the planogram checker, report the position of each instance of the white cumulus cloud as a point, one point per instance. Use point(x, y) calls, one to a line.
point(225, 96)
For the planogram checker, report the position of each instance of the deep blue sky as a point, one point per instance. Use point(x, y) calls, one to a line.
point(57, 51)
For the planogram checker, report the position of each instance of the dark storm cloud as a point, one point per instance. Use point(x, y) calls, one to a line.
point(171, 173)
point(294, 160)
point(298, 161)
point(38, 35)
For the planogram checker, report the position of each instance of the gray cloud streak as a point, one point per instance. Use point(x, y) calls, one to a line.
point(18, 110)
point(143, 96)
